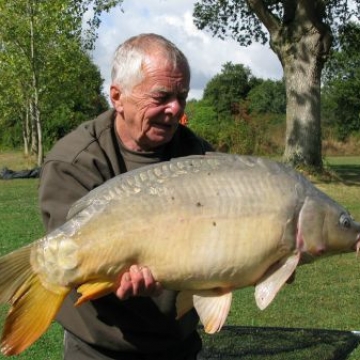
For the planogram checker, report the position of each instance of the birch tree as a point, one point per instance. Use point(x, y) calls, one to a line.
point(31, 31)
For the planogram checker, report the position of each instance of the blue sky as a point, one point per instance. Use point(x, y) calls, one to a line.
point(173, 19)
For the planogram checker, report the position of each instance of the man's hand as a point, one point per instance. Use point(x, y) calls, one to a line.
point(138, 281)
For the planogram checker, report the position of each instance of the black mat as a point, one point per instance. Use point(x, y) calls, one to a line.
point(250, 343)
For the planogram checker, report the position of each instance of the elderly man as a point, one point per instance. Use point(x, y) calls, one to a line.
point(150, 84)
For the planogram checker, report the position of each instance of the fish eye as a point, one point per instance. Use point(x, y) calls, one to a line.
point(345, 221)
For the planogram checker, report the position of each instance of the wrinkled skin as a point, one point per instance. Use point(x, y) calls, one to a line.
point(148, 117)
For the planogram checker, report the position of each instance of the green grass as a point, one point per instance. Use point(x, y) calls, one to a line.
point(325, 294)
point(20, 223)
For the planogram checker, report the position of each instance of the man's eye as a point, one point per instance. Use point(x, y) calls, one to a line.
point(162, 98)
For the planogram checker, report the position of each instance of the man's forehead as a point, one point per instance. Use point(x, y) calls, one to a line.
point(166, 82)
point(170, 88)
point(160, 65)
point(163, 77)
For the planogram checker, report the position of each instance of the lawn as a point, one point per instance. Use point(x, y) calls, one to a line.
point(20, 223)
point(324, 295)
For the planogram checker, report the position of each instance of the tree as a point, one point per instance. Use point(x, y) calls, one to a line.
point(225, 134)
point(268, 97)
point(341, 102)
point(81, 100)
point(300, 33)
point(33, 35)
point(203, 120)
point(225, 90)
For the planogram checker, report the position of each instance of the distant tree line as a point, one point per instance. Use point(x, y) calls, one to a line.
point(341, 85)
point(49, 84)
point(237, 110)
point(242, 113)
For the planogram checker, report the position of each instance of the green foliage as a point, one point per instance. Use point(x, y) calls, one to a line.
point(237, 110)
point(10, 133)
point(224, 133)
point(203, 120)
point(244, 20)
point(341, 102)
point(234, 18)
point(225, 90)
point(301, 34)
point(82, 100)
point(45, 70)
point(268, 97)
point(69, 98)
point(241, 133)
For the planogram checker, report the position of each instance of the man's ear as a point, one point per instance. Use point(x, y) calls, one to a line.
point(116, 98)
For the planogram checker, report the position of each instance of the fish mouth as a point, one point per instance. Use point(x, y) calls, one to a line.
point(357, 245)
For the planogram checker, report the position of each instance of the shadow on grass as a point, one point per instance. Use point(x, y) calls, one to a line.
point(250, 343)
point(349, 173)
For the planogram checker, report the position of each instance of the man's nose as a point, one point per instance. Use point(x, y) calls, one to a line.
point(175, 106)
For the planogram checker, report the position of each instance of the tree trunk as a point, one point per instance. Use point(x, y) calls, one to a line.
point(26, 133)
point(302, 76)
point(302, 42)
point(37, 145)
point(40, 152)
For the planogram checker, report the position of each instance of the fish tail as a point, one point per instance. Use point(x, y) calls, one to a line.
point(33, 307)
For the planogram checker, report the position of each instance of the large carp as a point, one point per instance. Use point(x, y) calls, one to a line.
point(204, 225)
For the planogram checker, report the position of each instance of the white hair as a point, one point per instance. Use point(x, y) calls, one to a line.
point(129, 57)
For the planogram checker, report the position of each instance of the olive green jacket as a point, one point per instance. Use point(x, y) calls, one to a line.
point(78, 163)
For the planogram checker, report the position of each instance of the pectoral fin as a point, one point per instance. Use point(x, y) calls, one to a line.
point(94, 289)
point(212, 307)
point(267, 288)
point(184, 303)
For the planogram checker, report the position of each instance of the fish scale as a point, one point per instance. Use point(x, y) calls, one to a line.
point(204, 225)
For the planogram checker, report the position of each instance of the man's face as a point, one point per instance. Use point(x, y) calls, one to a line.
point(148, 117)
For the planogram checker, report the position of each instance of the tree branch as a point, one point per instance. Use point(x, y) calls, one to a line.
point(270, 21)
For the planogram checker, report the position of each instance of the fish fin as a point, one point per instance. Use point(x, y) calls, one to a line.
point(15, 269)
point(213, 310)
point(267, 288)
point(212, 307)
point(184, 303)
point(94, 289)
point(22, 288)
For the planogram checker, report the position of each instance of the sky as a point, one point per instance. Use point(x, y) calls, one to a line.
point(173, 19)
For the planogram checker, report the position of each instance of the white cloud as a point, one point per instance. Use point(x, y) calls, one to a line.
point(173, 19)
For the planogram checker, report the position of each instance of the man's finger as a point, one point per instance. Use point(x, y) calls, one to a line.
point(152, 287)
point(125, 287)
point(137, 280)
